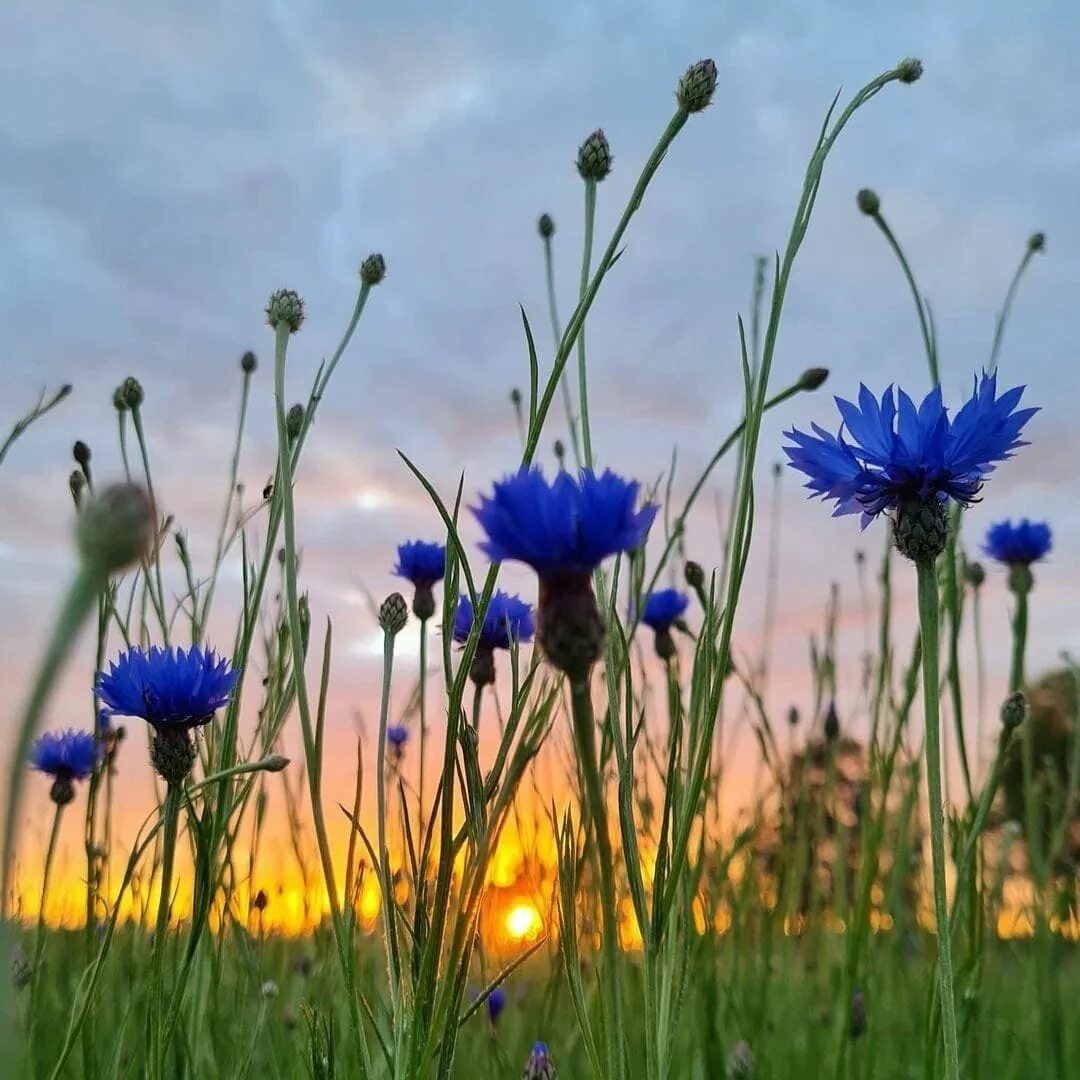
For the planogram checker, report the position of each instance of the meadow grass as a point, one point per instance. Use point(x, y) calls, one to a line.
point(657, 933)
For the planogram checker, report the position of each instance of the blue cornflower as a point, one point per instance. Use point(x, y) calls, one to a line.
point(167, 687)
point(539, 1066)
point(1021, 544)
point(663, 608)
point(424, 564)
point(496, 1002)
point(66, 756)
point(567, 527)
point(507, 619)
point(564, 530)
point(905, 459)
point(397, 735)
point(69, 755)
point(661, 611)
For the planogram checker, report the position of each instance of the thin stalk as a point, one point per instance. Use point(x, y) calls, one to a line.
point(1020, 591)
point(556, 334)
point(158, 598)
point(39, 937)
point(1003, 318)
point(388, 906)
point(928, 629)
point(585, 738)
point(586, 260)
point(980, 668)
point(170, 825)
point(423, 716)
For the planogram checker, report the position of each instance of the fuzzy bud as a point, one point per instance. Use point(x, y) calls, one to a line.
point(974, 574)
point(560, 452)
point(697, 86)
point(569, 626)
point(275, 763)
point(694, 574)
point(482, 669)
point(248, 362)
point(812, 378)
point(868, 202)
point(793, 716)
point(294, 421)
point(132, 392)
point(1021, 578)
point(909, 70)
point(62, 791)
point(515, 398)
point(269, 990)
point(832, 723)
point(546, 226)
point(81, 453)
point(594, 157)
point(1037, 241)
point(286, 308)
point(118, 399)
point(261, 901)
point(373, 269)
point(393, 614)
point(116, 527)
point(1013, 711)
point(77, 484)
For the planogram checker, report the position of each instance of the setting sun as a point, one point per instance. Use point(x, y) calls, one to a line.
point(523, 921)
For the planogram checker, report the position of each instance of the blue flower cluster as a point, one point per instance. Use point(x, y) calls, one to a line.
point(507, 619)
point(902, 456)
point(397, 735)
point(663, 608)
point(1021, 544)
point(566, 527)
point(167, 687)
point(539, 1066)
point(65, 755)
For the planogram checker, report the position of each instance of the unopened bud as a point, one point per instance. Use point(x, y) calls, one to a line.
point(118, 399)
point(974, 574)
point(868, 202)
point(394, 613)
point(560, 452)
point(81, 453)
point(285, 308)
point(269, 990)
point(1013, 711)
point(248, 362)
point(294, 421)
point(594, 157)
point(832, 723)
point(793, 716)
point(275, 763)
point(1037, 241)
point(545, 226)
point(697, 86)
point(116, 527)
point(909, 70)
point(77, 484)
point(132, 392)
point(694, 574)
point(373, 269)
point(812, 378)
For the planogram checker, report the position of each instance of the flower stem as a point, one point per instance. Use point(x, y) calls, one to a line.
point(170, 825)
point(39, 939)
point(385, 882)
point(556, 333)
point(423, 718)
point(1019, 634)
point(586, 260)
point(928, 627)
point(585, 738)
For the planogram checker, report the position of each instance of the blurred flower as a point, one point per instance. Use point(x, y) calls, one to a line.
point(539, 1066)
point(167, 687)
point(832, 723)
point(424, 564)
point(496, 1002)
point(508, 619)
point(397, 735)
point(68, 755)
point(566, 527)
point(1021, 544)
point(740, 1062)
point(661, 611)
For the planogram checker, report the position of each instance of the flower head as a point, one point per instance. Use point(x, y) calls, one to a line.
point(65, 755)
point(397, 735)
point(507, 619)
point(1021, 544)
point(903, 456)
point(663, 608)
point(496, 1002)
point(420, 562)
point(170, 688)
point(539, 1066)
point(566, 527)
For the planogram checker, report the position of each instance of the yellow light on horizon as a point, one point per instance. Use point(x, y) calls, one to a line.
point(523, 921)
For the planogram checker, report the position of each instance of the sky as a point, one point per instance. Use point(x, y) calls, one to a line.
point(163, 168)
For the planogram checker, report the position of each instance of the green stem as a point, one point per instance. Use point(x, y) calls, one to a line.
point(39, 938)
point(556, 333)
point(928, 628)
point(1019, 634)
point(1003, 318)
point(585, 738)
point(296, 641)
point(388, 902)
point(586, 260)
point(158, 598)
point(170, 825)
point(423, 719)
